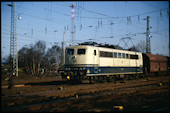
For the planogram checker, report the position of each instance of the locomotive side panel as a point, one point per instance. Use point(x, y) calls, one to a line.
point(116, 62)
point(105, 57)
point(121, 58)
point(106, 61)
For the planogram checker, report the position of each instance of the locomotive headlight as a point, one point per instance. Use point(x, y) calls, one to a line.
point(68, 77)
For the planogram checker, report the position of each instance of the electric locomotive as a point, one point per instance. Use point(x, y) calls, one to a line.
point(97, 63)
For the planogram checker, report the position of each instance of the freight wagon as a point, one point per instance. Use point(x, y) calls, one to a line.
point(154, 64)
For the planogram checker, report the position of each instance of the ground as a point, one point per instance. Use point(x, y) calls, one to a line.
point(46, 94)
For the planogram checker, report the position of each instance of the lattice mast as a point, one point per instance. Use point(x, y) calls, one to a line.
point(73, 38)
point(13, 41)
point(148, 43)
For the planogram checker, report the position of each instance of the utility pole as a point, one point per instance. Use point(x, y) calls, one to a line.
point(63, 50)
point(13, 41)
point(55, 57)
point(169, 42)
point(148, 43)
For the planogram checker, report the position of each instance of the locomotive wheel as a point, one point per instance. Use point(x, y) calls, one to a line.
point(96, 79)
point(137, 76)
point(101, 79)
point(105, 78)
point(126, 78)
point(108, 78)
point(142, 76)
point(91, 80)
point(79, 79)
point(131, 77)
point(113, 79)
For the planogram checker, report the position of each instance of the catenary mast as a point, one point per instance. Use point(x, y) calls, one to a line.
point(73, 26)
point(13, 41)
point(148, 43)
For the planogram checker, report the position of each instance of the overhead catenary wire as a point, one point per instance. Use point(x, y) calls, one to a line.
point(42, 18)
point(150, 4)
point(94, 12)
point(69, 15)
point(104, 26)
point(137, 15)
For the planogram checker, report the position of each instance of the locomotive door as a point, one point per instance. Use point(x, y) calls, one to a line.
point(136, 62)
point(95, 59)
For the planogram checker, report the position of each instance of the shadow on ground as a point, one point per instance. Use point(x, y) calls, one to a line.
point(54, 83)
point(49, 83)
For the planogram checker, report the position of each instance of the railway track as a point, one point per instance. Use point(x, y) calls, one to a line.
point(78, 98)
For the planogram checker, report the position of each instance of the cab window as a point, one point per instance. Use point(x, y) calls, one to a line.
point(119, 55)
point(115, 55)
point(70, 51)
point(127, 56)
point(123, 55)
point(81, 51)
point(134, 57)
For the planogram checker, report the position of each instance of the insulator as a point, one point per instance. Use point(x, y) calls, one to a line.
point(19, 18)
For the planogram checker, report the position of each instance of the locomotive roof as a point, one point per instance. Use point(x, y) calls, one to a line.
point(102, 47)
point(95, 44)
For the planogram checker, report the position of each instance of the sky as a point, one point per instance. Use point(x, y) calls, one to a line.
point(99, 21)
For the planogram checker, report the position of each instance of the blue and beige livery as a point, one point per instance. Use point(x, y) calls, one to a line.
point(86, 61)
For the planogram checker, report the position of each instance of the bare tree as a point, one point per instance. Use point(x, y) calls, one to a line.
point(33, 58)
point(141, 46)
point(39, 47)
point(30, 58)
point(22, 59)
point(53, 55)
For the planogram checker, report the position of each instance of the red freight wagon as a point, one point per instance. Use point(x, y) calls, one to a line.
point(154, 63)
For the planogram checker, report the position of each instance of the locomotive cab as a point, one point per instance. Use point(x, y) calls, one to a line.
point(80, 55)
point(78, 60)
